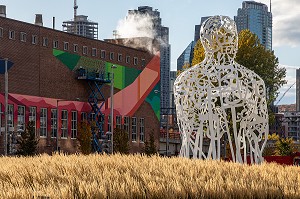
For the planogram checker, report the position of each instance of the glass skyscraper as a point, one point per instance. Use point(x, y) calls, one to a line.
point(256, 17)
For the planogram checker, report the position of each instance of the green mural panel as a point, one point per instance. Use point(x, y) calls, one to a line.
point(124, 76)
point(68, 59)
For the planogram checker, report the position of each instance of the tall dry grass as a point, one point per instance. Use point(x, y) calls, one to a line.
point(134, 176)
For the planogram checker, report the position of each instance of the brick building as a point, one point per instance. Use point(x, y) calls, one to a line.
point(45, 64)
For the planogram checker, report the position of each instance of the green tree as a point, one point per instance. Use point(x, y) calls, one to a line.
point(28, 142)
point(150, 147)
point(255, 57)
point(121, 141)
point(84, 137)
point(284, 146)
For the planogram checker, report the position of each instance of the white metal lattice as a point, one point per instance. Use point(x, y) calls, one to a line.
point(219, 99)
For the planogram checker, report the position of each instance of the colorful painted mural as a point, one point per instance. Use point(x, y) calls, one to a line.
point(136, 86)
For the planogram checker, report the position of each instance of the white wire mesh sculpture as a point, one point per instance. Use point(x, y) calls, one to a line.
point(219, 99)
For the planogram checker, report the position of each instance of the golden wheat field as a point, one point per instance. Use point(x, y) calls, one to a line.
point(136, 176)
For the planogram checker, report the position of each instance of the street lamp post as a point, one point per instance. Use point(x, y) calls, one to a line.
point(6, 107)
point(112, 107)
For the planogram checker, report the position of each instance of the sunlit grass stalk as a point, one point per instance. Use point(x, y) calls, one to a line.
point(136, 176)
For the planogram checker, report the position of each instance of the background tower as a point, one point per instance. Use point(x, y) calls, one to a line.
point(80, 25)
point(256, 17)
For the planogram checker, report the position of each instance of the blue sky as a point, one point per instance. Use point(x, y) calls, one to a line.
point(179, 16)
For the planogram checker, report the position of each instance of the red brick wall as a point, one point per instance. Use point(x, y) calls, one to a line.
point(37, 72)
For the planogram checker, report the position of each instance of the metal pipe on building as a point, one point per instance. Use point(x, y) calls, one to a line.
point(53, 22)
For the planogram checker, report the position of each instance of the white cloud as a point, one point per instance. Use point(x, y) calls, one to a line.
point(286, 29)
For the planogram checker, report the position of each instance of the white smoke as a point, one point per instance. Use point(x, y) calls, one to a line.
point(137, 31)
point(136, 26)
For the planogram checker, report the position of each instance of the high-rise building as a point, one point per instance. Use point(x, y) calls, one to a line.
point(161, 33)
point(80, 25)
point(187, 55)
point(256, 17)
point(298, 90)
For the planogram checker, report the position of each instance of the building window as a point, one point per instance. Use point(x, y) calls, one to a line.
point(127, 59)
point(83, 116)
point(1, 32)
point(94, 52)
point(53, 123)
point(126, 124)
point(84, 50)
point(119, 121)
point(34, 39)
point(66, 45)
point(32, 116)
point(23, 36)
point(74, 124)
point(43, 122)
point(45, 41)
point(111, 56)
point(55, 44)
point(92, 116)
point(75, 48)
point(10, 112)
point(21, 118)
point(142, 129)
point(143, 62)
point(119, 57)
point(103, 54)
point(135, 61)
point(133, 129)
point(11, 34)
point(64, 123)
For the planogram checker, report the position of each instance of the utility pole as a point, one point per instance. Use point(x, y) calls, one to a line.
point(112, 107)
point(6, 107)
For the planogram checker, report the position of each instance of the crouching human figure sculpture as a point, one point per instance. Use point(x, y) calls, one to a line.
point(219, 99)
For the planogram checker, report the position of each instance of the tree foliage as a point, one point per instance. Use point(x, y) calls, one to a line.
point(198, 53)
point(84, 137)
point(150, 147)
point(28, 142)
point(121, 141)
point(284, 146)
point(255, 57)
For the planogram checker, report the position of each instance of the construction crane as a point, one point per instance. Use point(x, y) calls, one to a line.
point(75, 9)
point(284, 93)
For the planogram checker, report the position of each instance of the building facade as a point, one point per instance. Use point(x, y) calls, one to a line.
point(292, 120)
point(161, 34)
point(298, 90)
point(44, 86)
point(81, 26)
point(186, 56)
point(256, 17)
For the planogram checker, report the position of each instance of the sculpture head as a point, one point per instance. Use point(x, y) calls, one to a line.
point(218, 34)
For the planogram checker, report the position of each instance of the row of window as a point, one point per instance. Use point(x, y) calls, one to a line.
point(43, 121)
point(131, 128)
point(66, 47)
